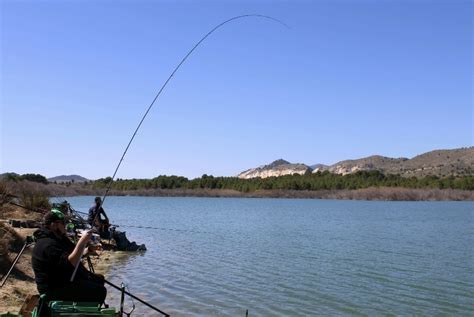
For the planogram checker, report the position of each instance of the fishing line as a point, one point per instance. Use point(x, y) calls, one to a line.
point(164, 229)
point(143, 227)
point(169, 78)
point(79, 218)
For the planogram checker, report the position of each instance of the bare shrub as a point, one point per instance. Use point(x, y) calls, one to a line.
point(32, 196)
point(9, 241)
point(4, 193)
point(5, 198)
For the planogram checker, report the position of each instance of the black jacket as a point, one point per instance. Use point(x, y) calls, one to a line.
point(50, 261)
point(94, 214)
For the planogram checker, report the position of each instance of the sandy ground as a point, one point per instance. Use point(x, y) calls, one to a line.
point(21, 282)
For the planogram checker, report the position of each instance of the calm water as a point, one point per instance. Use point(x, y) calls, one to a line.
point(275, 257)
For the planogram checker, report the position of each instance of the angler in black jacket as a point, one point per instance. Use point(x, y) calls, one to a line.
point(96, 221)
point(54, 259)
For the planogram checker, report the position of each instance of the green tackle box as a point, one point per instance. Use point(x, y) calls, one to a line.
point(76, 309)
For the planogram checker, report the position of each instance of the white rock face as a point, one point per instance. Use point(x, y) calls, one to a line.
point(320, 168)
point(344, 170)
point(264, 173)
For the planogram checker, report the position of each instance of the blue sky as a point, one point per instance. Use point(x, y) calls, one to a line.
point(348, 79)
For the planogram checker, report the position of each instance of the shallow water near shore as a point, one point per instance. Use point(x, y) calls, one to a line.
point(274, 257)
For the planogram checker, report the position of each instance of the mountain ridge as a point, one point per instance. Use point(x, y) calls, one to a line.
point(439, 163)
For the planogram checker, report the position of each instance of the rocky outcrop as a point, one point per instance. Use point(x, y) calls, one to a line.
point(319, 168)
point(276, 168)
point(375, 162)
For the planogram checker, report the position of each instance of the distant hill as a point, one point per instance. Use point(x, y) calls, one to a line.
point(68, 178)
point(440, 163)
point(374, 162)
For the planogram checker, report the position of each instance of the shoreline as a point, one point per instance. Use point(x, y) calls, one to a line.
point(370, 194)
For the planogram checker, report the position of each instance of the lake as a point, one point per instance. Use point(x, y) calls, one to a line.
point(294, 257)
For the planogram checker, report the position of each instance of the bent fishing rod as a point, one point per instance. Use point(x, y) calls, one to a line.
point(171, 76)
point(161, 90)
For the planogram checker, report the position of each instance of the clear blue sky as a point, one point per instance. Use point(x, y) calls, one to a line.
point(349, 79)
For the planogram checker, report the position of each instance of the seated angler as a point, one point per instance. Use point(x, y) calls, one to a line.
point(54, 259)
point(96, 221)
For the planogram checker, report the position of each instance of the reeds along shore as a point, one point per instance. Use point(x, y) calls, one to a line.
point(371, 193)
point(383, 194)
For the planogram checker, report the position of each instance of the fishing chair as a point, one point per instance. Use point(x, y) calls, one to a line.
point(49, 308)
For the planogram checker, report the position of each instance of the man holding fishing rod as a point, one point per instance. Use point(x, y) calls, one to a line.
point(96, 221)
point(55, 258)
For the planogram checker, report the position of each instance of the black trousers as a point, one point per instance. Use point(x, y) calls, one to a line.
point(81, 290)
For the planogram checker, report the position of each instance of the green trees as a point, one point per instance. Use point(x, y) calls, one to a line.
point(36, 178)
point(316, 181)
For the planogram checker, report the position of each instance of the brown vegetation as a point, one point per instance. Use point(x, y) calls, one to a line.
point(20, 282)
point(373, 193)
point(384, 194)
point(10, 241)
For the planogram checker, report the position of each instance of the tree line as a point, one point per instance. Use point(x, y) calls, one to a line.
point(37, 178)
point(309, 181)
